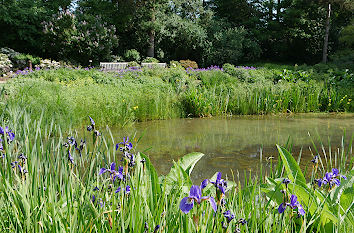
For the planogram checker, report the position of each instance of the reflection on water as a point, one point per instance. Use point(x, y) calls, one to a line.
point(234, 143)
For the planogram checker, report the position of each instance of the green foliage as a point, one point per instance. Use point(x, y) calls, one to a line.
point(132, 55)
point(231, 45)
point(133, 64)
point(150, 60)
point(147, 94)
point(79, 38)
point(22, 60)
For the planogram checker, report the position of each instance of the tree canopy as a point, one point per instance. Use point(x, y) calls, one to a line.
point(207, 31)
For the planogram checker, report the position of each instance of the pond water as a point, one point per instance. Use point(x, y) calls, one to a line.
point(236, 143)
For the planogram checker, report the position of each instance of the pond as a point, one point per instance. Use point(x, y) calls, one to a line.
point(236, 143)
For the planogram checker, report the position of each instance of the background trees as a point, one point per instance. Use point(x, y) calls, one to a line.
point(208, 31)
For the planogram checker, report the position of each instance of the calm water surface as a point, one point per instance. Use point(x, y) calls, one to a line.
point(235, 143)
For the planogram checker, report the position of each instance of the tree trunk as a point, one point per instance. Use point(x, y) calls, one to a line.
point(325, 44)
point(151, 48)
point(278, 10)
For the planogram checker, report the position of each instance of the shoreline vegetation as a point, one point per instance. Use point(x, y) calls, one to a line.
point(135, 94)
point(52, 181)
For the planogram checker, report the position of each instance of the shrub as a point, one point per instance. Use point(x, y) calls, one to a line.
point(189, 64)
point(175, 64)
point(229, 68)
point(116, 58)
point(132, 55)
point(150, 60)
point(9, 52)
point(21, 60)
point(133, 64)
point(48, 64)
point(5, 64)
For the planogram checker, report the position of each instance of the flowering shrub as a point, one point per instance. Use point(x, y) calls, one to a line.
point(5, 64)
point(48, 64)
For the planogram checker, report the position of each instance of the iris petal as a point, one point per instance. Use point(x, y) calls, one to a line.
point(195, 192)
point(336, 181)
point(301, 210)
point(218, 177)
point(113, 166)
point(186, 204)
point(103, 170)
point(213, 204)
point(281, 208)
point(204, 183)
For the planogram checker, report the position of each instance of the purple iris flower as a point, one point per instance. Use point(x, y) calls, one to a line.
point(70, 158)
point(156, 228)
point(92, 126)
point(127, 189)
point(10, 134)
point(80, 147)
point(330, 178)
point(92, 121)
point(118, 190)
point(229, 216)
point(23, 158)
point(195, 195)
point(286, 181)
point(127, 146)
point(114, 174)
point(204, 184)
point(219, 183)
point(294, 204)
point(242, 221)
point(315, 160)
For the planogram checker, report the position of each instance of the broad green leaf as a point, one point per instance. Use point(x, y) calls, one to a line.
point(177, 177)
point(291, 166)
point(188, 161)
point(344, 194)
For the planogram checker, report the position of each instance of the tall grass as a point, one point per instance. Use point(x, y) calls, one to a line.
point(57, 196)
point(139, 95)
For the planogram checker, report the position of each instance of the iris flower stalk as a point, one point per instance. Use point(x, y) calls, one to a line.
point(125, 147)
point(221, 187)
point(331, 179)
point(195, 198)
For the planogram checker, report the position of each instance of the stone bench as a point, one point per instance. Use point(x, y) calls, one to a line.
point(113, 66)
point(154, 65)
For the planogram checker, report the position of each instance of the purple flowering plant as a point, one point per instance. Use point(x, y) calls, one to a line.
point(195, 198)
point(331, 179)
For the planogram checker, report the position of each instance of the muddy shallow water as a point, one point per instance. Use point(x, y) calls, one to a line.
point(236, 142)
